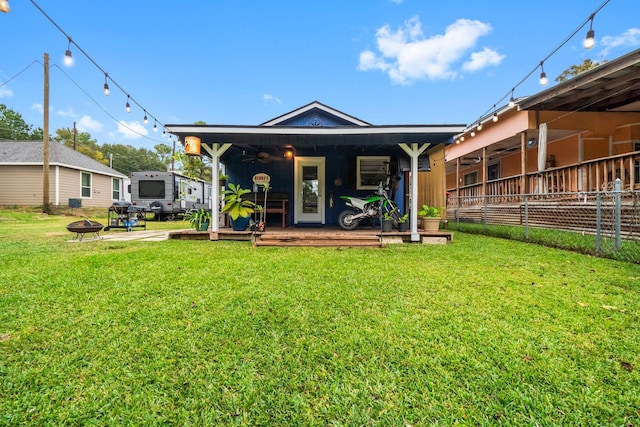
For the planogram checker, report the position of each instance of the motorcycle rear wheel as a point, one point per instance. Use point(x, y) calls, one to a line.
point(346, 220)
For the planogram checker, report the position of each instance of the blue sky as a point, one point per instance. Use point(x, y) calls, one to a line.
point(244, 62)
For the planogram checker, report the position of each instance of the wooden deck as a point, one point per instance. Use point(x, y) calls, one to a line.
point(316, 237)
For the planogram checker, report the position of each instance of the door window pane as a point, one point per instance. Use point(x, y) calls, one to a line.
point(309, 189)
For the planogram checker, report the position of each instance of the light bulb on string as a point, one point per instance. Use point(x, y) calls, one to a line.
point(68, 57)
point(128, 106)
point(106, 85)
point(590, 40)
point(543, 75)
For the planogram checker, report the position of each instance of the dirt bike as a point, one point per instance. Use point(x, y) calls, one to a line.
point(372, 207)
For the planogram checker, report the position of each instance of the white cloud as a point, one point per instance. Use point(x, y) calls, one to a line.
point(5, 92)
point(407, 55)
point(66, 113)
point(38, 107)
point(397, 1)
point(132, 130)
point(87, 124)
point(479, 60)
point(631, 37)
point(270, 98)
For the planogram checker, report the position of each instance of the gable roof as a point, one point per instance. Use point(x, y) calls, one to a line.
point(29, 153)
point(333, 128)
point(319, 109)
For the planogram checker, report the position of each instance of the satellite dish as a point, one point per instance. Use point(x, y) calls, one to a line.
point(532, 142)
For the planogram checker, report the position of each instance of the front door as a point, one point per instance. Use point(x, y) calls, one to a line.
point(309, 190)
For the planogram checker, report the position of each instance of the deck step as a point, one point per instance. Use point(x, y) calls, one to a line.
point(337, 240)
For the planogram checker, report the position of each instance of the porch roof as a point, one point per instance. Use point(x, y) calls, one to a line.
point(612, 86)
point(312, 136)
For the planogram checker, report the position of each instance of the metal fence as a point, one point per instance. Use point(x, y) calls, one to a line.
point(604, 223)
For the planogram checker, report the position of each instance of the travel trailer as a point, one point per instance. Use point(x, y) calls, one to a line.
point(169, 194)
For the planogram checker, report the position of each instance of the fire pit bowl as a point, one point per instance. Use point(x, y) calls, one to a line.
point(83, 227)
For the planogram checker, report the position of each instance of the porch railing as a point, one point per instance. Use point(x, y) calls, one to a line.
point(588, 176)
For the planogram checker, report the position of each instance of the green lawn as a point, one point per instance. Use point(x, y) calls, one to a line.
point(482, 331)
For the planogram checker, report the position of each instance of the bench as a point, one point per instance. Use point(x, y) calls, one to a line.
point(277, 203)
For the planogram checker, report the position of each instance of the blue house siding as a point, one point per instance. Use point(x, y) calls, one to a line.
point(338, 163)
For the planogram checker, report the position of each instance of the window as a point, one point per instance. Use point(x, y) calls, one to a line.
point(115, 189)
point(371, 170)
point(471, 178)
point(86, 184)
point(493, 171)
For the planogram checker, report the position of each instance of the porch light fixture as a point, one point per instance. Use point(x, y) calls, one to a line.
point(4, 6)
point(543, 75)
point(288, 154)
point(68, 57)
point(192, 146)
point(590, 41)
point(106, 85)
point(128, 106)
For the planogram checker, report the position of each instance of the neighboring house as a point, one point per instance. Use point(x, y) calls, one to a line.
point(316, 153)
point(73, 177)
point(577, 136)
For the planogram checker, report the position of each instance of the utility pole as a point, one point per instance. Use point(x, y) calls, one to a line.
point(46, 205)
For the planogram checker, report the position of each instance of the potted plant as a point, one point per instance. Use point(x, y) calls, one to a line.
point(199, 219)
point(403, 223)
point(387, 222)
point(238, 208)
point(430, 218)
point(222, 180)
point(260, 224)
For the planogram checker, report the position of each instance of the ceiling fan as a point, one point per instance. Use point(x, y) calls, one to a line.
point(262, 157)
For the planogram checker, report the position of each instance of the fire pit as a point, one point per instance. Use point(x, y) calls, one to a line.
point(83, 227)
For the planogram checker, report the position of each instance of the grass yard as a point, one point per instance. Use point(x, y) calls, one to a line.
point(482, 331)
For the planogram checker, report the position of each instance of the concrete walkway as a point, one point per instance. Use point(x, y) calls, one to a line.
point(142, 236)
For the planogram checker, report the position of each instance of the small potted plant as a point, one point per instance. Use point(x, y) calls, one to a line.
point(222, 180)
point(238, 208)
point(387, 222)
point(403, 223)
point(430, 218)
point(199, 219)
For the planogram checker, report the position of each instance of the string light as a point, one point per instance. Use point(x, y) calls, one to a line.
point(128, 106)
point(479, 126)
point(590, 41)
point(512, 101)
point(68, 58)
point(543, 75)
point(145, 120)
point(155, 127)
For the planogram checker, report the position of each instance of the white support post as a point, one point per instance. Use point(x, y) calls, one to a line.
point(215, 151)
point(414, 152)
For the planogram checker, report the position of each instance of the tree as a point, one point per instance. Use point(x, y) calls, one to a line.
point(13, 126)
point(127, 159)
point(83, 144)
point(574, 70)
point(163, 151)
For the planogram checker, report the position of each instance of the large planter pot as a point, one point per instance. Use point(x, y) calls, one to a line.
point(203, 226)
point(430, 224)
point(387, 225)
point(239, 224)
point(403, 226)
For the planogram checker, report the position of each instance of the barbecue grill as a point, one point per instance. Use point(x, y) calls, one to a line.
point(123, 214)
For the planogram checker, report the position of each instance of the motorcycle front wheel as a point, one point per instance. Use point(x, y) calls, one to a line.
point(346, 220)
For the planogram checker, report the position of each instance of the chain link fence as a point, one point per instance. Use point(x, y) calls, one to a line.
point(604, 223)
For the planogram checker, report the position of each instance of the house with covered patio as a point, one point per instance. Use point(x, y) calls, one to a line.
point(578, 136)
point(316, 153)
